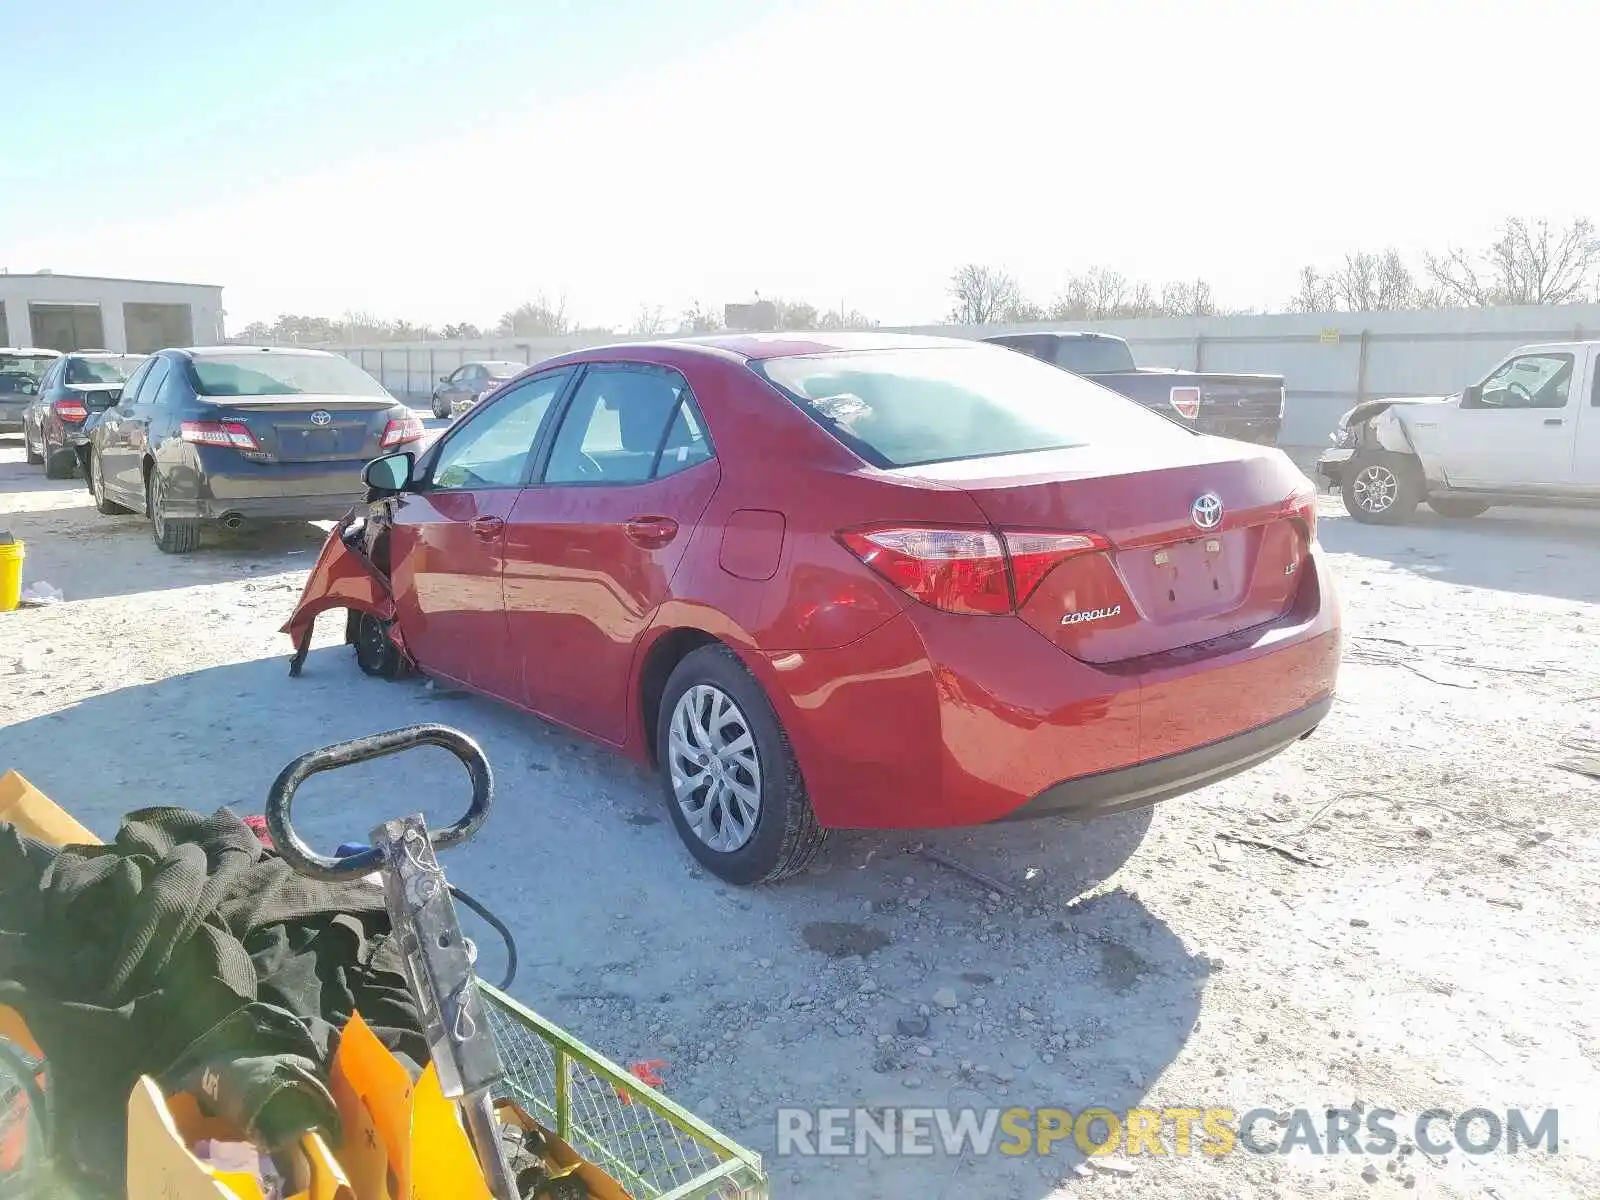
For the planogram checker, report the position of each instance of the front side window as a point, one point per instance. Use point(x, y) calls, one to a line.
point(259, 374)
point(618, 424)
point(492, 448)
point(1529, 381)
point(909, 407)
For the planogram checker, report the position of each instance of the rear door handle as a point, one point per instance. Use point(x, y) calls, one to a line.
point(650, 533)
point(1552, 420)
point(487, 528)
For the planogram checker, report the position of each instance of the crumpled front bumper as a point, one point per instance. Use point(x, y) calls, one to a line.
point(343, 577)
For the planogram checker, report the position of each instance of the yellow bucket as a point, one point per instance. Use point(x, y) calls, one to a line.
point(10, 575)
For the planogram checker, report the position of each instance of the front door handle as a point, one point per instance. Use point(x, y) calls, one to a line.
point(487, 528)
point(650, 533)
point(1552, 420)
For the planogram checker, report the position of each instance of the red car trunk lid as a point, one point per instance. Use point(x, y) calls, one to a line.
point(1167, 579)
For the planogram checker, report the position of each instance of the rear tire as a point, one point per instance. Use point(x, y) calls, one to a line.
point(172, 536)
point(58, 464)
point(711, 695)
point(1457, 510)
point(1382, 488)
point(97, 488)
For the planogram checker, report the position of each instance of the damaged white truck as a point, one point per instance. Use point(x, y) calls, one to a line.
point(1528, 434)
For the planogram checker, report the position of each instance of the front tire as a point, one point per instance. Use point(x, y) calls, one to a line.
point(375, 654)
point(439, 410)
point(732, 784)
point(1382, 489)
point(33, 456)
point(1456, 509)
point(172, 535)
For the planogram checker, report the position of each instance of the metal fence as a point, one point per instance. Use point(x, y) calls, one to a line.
point(1329, 361)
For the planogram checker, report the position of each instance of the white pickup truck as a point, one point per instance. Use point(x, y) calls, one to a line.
point(1528, 434)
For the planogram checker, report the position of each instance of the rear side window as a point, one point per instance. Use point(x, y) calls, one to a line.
point(905, 408)
point(624, 422)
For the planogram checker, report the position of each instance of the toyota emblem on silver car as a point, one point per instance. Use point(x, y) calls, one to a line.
point(1206, 512)
point(320, 417)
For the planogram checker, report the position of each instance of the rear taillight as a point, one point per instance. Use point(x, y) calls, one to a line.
point(71, 410)
point(219, 433)
point(1305, 511)
point(1186, 400)
point(975, 571)
point(401, 430)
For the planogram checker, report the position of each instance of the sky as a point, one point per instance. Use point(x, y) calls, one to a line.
point(445, 162)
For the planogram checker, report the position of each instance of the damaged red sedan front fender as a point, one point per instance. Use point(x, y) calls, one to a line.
point(344, 577)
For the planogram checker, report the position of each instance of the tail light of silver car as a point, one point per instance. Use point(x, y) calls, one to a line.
point(1186, 401)
point(233, 434)
point(401, 431)
point(71, 410)
point(977, 571)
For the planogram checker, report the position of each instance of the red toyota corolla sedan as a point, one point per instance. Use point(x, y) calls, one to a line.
point(823, 580)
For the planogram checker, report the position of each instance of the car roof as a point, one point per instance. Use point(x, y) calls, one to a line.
point(756, 347)
point(202, 352)
point(1059, 333)
point(107, 354)
point(33, 350)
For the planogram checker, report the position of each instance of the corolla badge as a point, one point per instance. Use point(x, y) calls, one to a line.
point(1092, 614)
point(1206, 511)
point(321, 417)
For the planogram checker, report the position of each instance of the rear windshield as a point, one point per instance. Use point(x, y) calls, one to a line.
point(18, 369)
point(111, 369)
point(260, 374)
point(1094, 356)
point(904, 408)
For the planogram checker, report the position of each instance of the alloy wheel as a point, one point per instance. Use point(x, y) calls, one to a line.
point(715, 768)
point(158, 516)
point(1376, 488)
point(97, 478)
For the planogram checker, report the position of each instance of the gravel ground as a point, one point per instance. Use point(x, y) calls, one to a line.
point(1427, 942)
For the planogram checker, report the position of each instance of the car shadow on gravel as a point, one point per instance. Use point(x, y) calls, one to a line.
point(1529, 551)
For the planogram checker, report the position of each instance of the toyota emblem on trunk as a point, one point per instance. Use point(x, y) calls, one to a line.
point(322, 418)
point(1206, 512)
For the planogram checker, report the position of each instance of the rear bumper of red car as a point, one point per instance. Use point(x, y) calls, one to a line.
point(939, 720)
point(1173, 774)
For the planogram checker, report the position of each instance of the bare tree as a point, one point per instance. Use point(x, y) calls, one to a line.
point(982, 295)
point(1529, 263)
point(843, 318)
point(538, 317)
point(651, 321)
point(1187, 300)
point(461, 331)
point(796, 314)
point(1316, 293)
point(697, 318)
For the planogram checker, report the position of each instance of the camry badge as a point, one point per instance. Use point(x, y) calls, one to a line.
point(321, 417)
point(1206, 512)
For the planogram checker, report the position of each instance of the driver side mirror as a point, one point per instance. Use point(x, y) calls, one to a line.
point(1472, 397)
point(390, 474)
